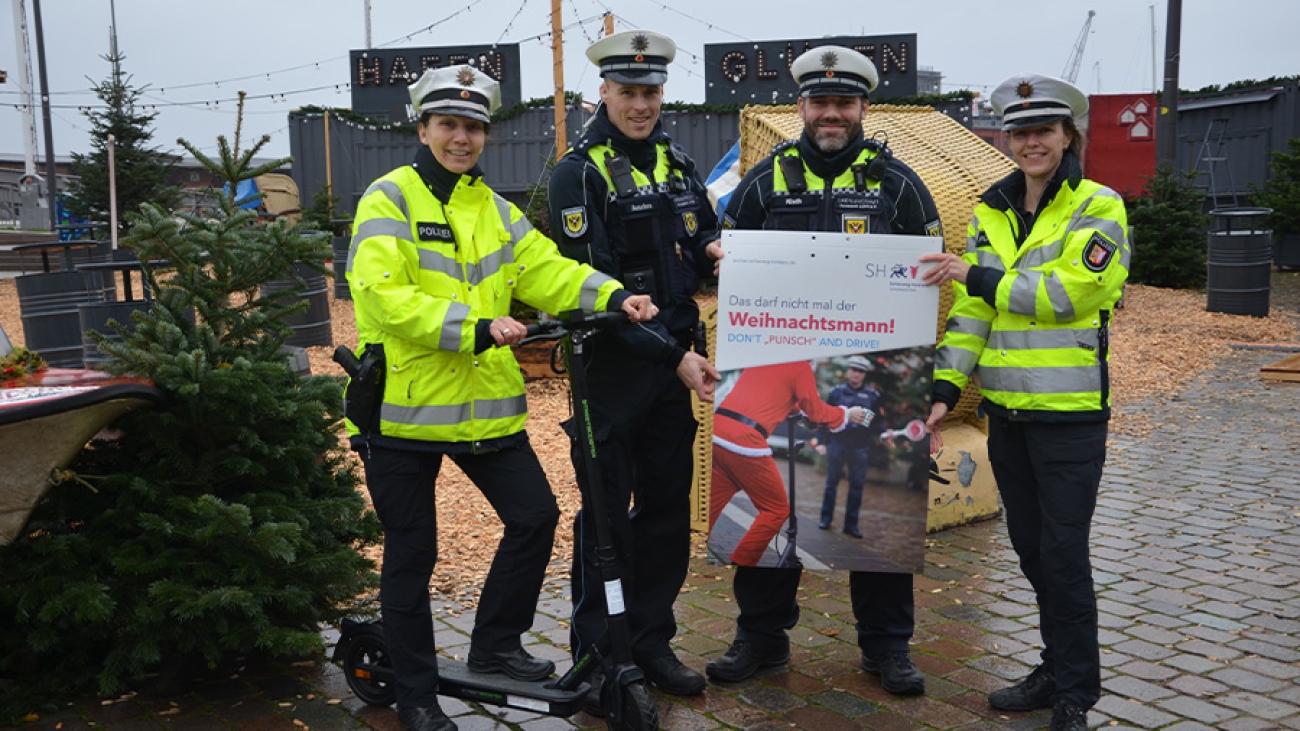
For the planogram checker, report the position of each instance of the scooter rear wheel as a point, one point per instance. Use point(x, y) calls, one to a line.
point(367, 668)
point(639, 713)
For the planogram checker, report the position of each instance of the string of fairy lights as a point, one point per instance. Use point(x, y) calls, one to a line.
point(161, 97)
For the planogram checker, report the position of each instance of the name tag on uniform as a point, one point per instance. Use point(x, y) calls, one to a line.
point(435, 232)
point(862, 205)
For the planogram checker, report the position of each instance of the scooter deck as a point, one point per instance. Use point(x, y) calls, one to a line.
point(456, 680)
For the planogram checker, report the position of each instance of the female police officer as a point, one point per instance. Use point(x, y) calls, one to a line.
point(436, 258)
point(1046, 256)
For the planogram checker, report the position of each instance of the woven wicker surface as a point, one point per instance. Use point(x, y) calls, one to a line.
point(956, 166)
point(704, 435)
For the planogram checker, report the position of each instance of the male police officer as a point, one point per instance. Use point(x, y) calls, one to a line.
point(850, 448)
point(830, 179)
point(627, 201)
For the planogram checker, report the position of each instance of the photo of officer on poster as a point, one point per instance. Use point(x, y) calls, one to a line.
point(834, 485)
point(821, 461)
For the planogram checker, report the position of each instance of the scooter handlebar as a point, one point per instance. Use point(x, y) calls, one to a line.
point(572, 322)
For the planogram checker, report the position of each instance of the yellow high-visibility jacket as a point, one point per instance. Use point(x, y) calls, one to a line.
point(1032, 321)
point(423, 275)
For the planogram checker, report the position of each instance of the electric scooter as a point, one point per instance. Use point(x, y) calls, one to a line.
point(626, 700)
point(789, 558)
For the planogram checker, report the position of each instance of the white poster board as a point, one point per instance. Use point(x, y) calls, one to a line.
point(806, 315)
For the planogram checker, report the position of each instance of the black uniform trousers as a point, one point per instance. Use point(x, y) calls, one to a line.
point(401, 484)
point(645, 431)
point(1048, 474)
point(766, 598)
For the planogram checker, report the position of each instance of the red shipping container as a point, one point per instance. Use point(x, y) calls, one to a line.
point(1121, 150)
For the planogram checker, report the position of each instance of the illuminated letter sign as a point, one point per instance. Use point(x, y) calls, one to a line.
point(380, 75)
point(759, 72)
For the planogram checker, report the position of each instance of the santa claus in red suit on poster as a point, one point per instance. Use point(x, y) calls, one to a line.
point(742, 460)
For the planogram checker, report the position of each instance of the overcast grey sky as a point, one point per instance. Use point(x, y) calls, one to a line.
point(196, 55)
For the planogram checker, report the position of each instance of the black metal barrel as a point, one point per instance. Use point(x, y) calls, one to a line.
point(49, 305)
point(1239, 262)
point(94, 317)
point(313, 326)
point(341, 244)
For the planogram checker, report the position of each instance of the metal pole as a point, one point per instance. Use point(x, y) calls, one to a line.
point(24, 45)
point(367, 8)
point(557, 57)
point(112, 41)
point(112, 192)
point(1167, 126)
point(1155, 87)
point(52, 182)
point(329, 169)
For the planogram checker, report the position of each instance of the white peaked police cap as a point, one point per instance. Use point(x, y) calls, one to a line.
point(634, 57)
point(1028, 100)
point(461, 91)
point(834, 71)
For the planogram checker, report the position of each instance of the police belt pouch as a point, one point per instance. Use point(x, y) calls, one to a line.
point(365, 390)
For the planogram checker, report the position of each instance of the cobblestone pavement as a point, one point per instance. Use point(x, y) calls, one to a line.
point(1196, 560)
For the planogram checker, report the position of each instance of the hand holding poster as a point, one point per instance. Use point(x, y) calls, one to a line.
point(825, 342)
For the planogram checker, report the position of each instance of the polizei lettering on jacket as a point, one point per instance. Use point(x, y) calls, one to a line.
point(435, 232)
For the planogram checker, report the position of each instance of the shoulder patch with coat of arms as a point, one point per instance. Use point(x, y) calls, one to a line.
point(692, 223)
point(1098, 252)
point(575, 221)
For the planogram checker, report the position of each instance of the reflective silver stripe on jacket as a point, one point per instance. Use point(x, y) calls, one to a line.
point(1043, 339)
point(382, 226)
point(953, 358)
point(1040, 255)
point(590, 291)
point(1109, 228)
point(1041, 379)
point(1024, 289)
point(968, 326)
point(474, 272)
point(452, 325)
point(519, 229)
point(989, 258)
point(454, 414)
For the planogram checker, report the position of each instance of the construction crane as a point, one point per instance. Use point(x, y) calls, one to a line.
point(1076, 56)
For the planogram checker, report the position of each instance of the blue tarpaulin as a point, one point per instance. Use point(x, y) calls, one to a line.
point(246, 194)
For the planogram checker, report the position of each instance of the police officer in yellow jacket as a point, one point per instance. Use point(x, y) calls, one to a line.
point(628, 201)
point(830, 179)
point(1046, 256)
point(436, 258)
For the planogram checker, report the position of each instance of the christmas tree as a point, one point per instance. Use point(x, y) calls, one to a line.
point(224, 521)
point(141, 169)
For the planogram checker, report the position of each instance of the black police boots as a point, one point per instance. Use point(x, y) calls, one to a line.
point(518, 664)
point(742, 660)
point(671, 676)
point(1033, 692)
point(896, 672)
point(427, 718)
point(1066, 716)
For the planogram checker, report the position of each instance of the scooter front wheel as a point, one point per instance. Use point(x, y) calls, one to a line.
point(367, 667)
point(639, 713)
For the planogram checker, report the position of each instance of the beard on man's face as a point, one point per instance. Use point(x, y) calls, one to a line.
point(831, 141)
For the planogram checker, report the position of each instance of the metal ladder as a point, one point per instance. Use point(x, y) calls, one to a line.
point(1214, 152)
